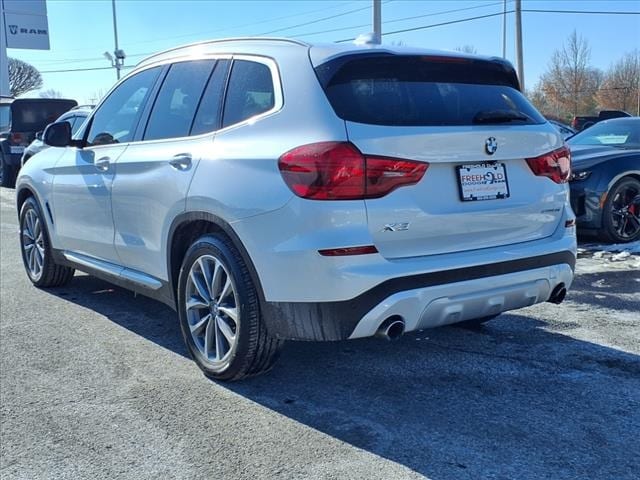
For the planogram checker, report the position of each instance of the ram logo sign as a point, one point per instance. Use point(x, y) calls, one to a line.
point(27, 31)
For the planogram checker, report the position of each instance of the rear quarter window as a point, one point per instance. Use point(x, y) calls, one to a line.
point(397, 90)
point(250, 92)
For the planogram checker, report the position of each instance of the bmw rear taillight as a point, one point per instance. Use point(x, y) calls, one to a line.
point(556, 165)
point(339, 171)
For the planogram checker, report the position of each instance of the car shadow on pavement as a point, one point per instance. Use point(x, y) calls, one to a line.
point(510, 400)
point(141, 315)
point(612, 290)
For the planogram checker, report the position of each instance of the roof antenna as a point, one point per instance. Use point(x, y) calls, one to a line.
point(375, 37)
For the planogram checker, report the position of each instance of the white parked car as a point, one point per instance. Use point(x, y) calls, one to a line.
point(268, 189)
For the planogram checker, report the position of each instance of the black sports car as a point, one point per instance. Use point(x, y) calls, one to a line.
point(605, 184)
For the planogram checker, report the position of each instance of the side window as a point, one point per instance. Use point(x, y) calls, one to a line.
point(210, 108)
point(175, 106)
point(250, 92)
point(78, 121)
point(116, 119)
point(72, 121)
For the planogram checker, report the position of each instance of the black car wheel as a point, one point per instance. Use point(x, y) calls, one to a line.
point(621, 212)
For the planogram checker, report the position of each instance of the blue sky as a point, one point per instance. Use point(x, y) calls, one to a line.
point(80, 31)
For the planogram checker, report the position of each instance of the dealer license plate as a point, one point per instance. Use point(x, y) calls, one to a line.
point(483, 181)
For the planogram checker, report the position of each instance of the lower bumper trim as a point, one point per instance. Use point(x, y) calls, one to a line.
point(337, 320)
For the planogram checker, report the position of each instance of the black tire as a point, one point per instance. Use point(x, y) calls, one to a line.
point(475, 323)
point(620, 195)
point(255, 351)
point(7, 174)
point(51, 274)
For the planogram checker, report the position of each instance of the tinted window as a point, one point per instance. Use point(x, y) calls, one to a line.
point(116, 119)
point(421, 91)
point(71, 120)
point(618, 133)
point(250, 92)
point(176, 104)
point(34, 115)
point(78, 121)
point(210, 109)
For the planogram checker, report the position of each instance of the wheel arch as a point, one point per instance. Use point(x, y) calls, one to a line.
point(22, 195)
point(186, 228)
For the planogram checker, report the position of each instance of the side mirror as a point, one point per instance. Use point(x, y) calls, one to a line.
point(39, 135)
point(58, 134)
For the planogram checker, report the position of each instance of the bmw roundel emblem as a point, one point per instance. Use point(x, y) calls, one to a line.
point(490, 145)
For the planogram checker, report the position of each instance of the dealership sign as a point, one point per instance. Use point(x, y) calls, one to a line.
point(26, 31)
point(25, 24)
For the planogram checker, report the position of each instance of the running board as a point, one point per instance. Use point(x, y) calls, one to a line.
point(113, 270)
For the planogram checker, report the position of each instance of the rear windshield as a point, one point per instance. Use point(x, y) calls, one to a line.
point(35, 115)
point(406, 90)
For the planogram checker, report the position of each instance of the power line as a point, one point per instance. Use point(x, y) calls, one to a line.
point(368, 7)
point(232, 27)
point(444, 12)
point(84, 69)
point(394, 32)
point(589, 12)
point(423, 27)
point(401, 19)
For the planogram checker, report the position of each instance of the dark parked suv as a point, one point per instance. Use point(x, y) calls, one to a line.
point(27, 116)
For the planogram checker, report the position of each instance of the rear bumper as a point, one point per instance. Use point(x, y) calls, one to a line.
point(426, 300)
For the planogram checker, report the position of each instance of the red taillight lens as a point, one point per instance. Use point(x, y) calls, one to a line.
point(556, 165)
point(338, 171)
point(18, 138)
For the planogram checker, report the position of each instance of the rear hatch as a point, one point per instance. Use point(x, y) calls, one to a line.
point(32, 115)
point(467, 119)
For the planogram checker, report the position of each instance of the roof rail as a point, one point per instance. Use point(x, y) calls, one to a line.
point(224, 40)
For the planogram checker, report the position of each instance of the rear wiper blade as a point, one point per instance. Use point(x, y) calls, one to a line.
point(499, 116)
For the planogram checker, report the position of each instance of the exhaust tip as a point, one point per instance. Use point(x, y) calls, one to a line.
point(391, 329)
point(558, 294)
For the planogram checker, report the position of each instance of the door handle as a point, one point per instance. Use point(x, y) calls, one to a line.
point(181, 161)
point(102, 163)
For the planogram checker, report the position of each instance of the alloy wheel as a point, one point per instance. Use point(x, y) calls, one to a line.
point(211, 304)
point(33, 243)
point(625, 212)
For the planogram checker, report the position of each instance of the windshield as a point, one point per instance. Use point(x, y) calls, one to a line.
point(622, 133)
point(5, 117)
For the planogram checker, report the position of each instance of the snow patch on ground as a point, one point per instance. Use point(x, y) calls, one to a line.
point(597, 257)
point(631, 247)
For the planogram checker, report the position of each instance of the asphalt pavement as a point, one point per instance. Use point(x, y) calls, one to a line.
point(95, 383)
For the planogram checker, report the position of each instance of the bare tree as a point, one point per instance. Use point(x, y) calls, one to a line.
point(51, 93)
point(467, 49)
point(23, 77)
point(620, 88)
point(541, 101)
point(570, 82)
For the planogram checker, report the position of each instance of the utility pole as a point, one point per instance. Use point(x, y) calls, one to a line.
point(504, 29)
point(377, 21)
point(118, 61)
point(519, 64)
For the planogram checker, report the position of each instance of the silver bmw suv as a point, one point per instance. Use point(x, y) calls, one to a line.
point(271, 190)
